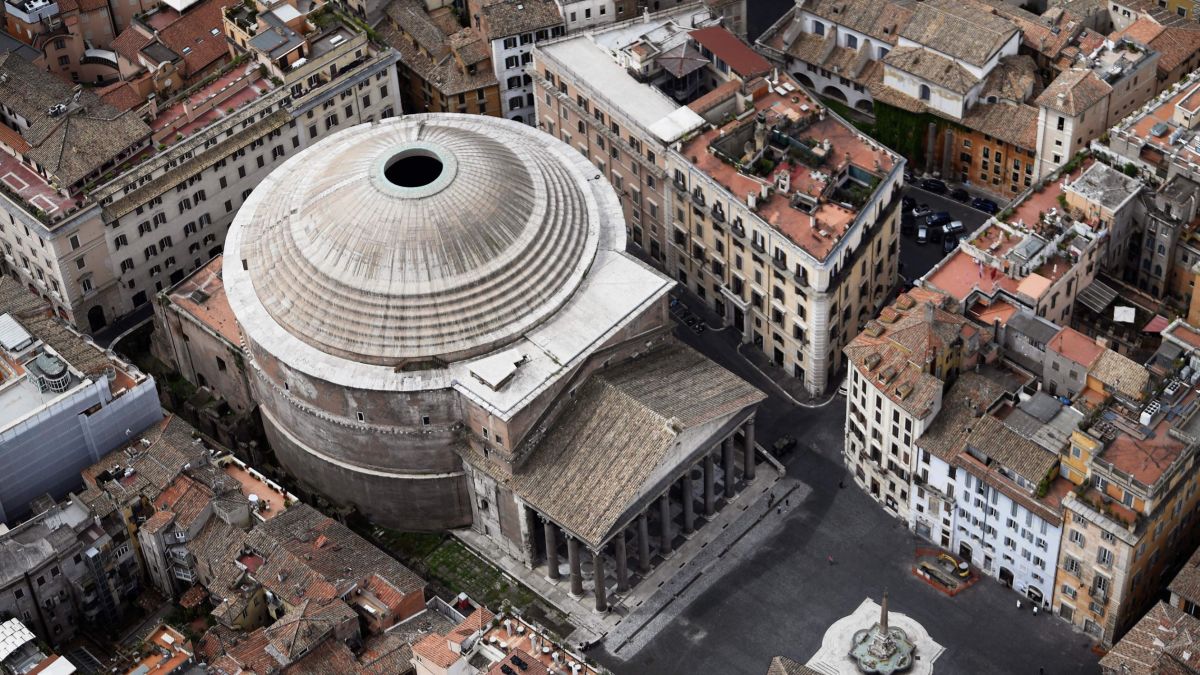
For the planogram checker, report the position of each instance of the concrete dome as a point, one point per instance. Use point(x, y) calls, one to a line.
point(426, 236)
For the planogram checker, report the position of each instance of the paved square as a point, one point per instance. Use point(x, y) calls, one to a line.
point(775, 592)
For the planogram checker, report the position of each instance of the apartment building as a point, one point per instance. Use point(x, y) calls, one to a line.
point(1035, 255)
point(73, 39)
point(196, 334)
point(64, 402)
point(778, 214)
point(1106, 196)
point(59, 572)
point(440, 70)
point(983, 486)
point(977, 72)
point(144, 196)
point(899, 365)
point(165, 50)
point(512, 28)
point(1128, 521)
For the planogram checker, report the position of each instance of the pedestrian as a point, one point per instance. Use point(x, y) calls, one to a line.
point(1035, 608)
point(785, 502)
point(830, 559)
point(1018, 604)
point(841, 484)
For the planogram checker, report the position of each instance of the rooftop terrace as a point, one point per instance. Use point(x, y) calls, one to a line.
point(815, 170)
point(202, 294)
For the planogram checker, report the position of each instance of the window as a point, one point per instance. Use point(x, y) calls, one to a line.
point(818, 28)
point(1077, 538)
point(1104, 557)
point(925, 92)
point(851, 41)
point(74, 241)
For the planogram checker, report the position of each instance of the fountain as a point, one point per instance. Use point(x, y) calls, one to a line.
point(882, 649)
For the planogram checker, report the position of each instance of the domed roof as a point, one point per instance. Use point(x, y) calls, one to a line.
point(426, 236)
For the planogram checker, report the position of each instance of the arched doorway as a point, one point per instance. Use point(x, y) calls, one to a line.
point(1006, 576)
point(96, 318)
point(805, 81)
point(833, 92)
point(865, 106)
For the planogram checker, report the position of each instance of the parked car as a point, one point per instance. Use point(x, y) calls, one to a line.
point(986, 205)
point(921, 211)
point(949, 243)
point(939, 219)
point(954, 227)
point(907, 223)
point(908, 203)
point(960, 195)
point(922, 234)
point(934, 185)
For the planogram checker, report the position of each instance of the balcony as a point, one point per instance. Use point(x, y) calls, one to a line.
point(184, 574)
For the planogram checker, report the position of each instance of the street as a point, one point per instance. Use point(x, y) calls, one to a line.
point(775, 592)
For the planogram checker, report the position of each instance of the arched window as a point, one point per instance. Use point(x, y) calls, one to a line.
point(924, 92)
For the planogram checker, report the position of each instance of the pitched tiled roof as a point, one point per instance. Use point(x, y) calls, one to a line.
point(1074, 91)
point(71, 145)
point(476, 622)
point(962, 407)
point(1186, 583)
point(306, 541)
point(130, 42)
point(959, 28)
point(932, 67)
point(513, 17)
point(729, 48)
point(121, 95)
point(153, 467)
point(380, 655)
point(894, 352)
point(192, 36)
point(436, 650)
point(1175, 45)
point(423, 47)
point(1076, 346)
point(1166, 641)
point(1014, 123)
point(1123, 375)
point(882, 20)
point(1013, 79)
point(305, 626)
point(1011, 450)
point(617, 432)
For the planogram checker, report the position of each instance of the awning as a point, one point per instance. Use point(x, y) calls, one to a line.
point(1157, 324)
point(1097, 296)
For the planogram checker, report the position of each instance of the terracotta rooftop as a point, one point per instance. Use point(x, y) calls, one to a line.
point(1075, 346)
point(197, 35)
point(1186, 583)
point(959, 275)
point(435, 649)
point(1074, 91)
point(729, 48)
point(1144, 459)
point(202, 294)
point(895, 351)
point(1166, 641)
point(1186, 333)
point(817, 232)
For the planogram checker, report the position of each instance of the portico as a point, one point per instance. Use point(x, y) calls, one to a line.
point(647, 454)
point(652, 528)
